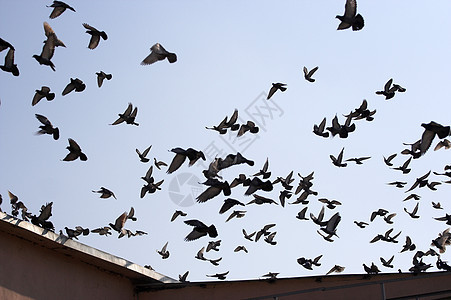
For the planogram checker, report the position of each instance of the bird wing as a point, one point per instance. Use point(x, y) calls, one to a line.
point(69, 88)
point(208, 194)
point(49, 47)
point(94, 41)
point(350, 8)
point(176, 162)
point(310, 73)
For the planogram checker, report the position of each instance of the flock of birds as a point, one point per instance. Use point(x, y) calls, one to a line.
point(254, 186)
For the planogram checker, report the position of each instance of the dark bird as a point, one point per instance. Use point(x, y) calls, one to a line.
point(241, 179)
point(142, 156)
point(387, 263)
point(362, 112)
point(404, 167)
point(151, 187)
point(389, 159)
point(236, 214)
point(214, 189)
point(180, 157)
point(221, 276)
point(44, 92)
point(389, 90)
point(215, 262)
point(74, 152)
point(50, 33)
point(398, 184)
point(102, 230)
point(342, 130)
point(285, 194)
point(231, 160)
point(308, 74)
point(286, 182)
point(120, 222)
point(331, 225)
point(240, 248)
point(159, 53)
point(95, 36)
point(131, 214)
point(44, 214)
point(386, 237)
point(128, 116)
point(436, 205)
point(249, 126)
point(431, 130)
point(229, 203)
point(9, 65)
point(47, 127)
point(275, 87)
point(81, 230)
point(47, 52)
point(213, 245)
point(413, 213)
point(5, 45)
point(388, 218)
point(259, 200)
point(412, 196)
point(336, 269)
point(101, 76)
point(257, 184)
point(350, 17)
point(380, 212)
point(319, 129)
point(270, 238)
point(164, 252)
point(361, 224)
point(58, 8)
point(264, 171)
point(159, 163)
point(301, 214)
point(176, 214)
point(446, 218)
point(200, 230)
point(72, 233)
point(74, 85)
point(182, 278)
point(408, 246)
point(358, 160)
point(248, 236)
point(373, 269)
point(420, 182)
point(331, 204)
point(227, 123)
point(443, 144)
point(264, 231)
point(318, 220)
point(105, 193)
point(337, 161)
point(271, 275)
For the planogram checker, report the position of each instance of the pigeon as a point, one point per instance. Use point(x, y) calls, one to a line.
point(331, 204)
point(285, 181)
point(362, 112)
point(249, 126)
point(432, 129)
point(336, 269)
point(214, 189)
point(398, 184)
point(120, 222)
point(102, 231)
point(105, 193)
point(213, 245)
point(182, 278)
point(270, 238)
point(436, 205)
point(389, 159)
point(361, 224)
point(159, 53)
point(200, 230)
point(408, 246)
point(58, 8)
point(301, 214)
point(47, 51)
point(227, 123)
point(373, 269)
point(180, 157)
point(342, 130)
point(387, 263)
point(259, 200)
point(236, 214)
point(264, 231)
point(248, 236)
point(412, 196)
point(413, 214)
point(264, 171)
point(74, 85)
point(72, 233)
point(178, 213)
point(389, 90)
point(44, 214)
point(380, 212)
point(47, 127)
point(446, 218)
point(319, 129)
point(240, 248)
point(331, 225)
point(95, 36)
point(9, 65)
point(443, 144)
point(271, 275)
point(275, 87)
point(128, 116)
point(81, 230)
point(164, 252)
point(142, 156)
point(5, 45)
point(358, 160)
point(350, 17)
point(414, 150)
point(257, 184)
point(101, 76)
point(386, 237)
point(44, 92)
point(215, 262)
point(159, 163)
point(229, 203)
point(337, 161)
point(131, 215)
point(404, 167)
point(220, 276)
point(388, 218)
point(308, 74)
point(50, 33)
point(74, 152)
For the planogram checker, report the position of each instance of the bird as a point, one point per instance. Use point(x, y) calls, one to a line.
point(213, 245)
point(257, 184)
point(120, 222)
point(74, 85)
point(164, 252)
point(180, 157)
point(49, 32)
point(240, 248)
point(44, 92)
point(331, 225)
point(248, 236)
point(336, 269)
point(264, 171)
point(388, 218)
point(337, 161)
point(159, 53)
point(9, 65)
point(229, 203)
point(131, 214)
point(159, 163)
point(350, 17)
point(105, 193)
point(128, 116)
point(226, 124)
point(47, 52)
point(387, 263)
point(446, 218)
point(200, 230)
point(264, 231)
point(436, 205)
point(389, 90)
point(308, 74)
point(182, 278)
point(270, 238)
point(404, 167)
point(5, 45)
point(215, 262)
point(413, 214)
point(361, 224)
point(58, 8)
point(412, 196)
point(342, 130)
point(72, 233)
point(42, 219)
point(408, 246)
point(389, 159)
point(398, 184)
point(74, 152)
point(249, 126)
point(331, 204)
point(386, 237)
point(214, 189)
point(259, 200)
point(102, 230)
point(443, 144)
point(380, 212)
point(236, 214)
point(220, 276)
point(101, 76)
point(373, 269)
point(362, 112)
point(142, 156)
point(95, 36)
point(285, 181)
point(319, 129)
point(271, 275)
point(47, 127)
point(275, 87)
point(358, 160)
point(431, 130)
point(176, 214)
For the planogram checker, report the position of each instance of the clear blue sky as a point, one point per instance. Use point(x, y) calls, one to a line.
point(229, 53)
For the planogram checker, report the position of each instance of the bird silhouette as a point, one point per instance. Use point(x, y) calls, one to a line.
point(48, 50)
point(240, 248)
point(180, 157)
point(319, 129)
point(248, 236)
point(214, 189)
point(308, 74)
point(128, 116)
point(408, 245)
point(213, 245)
point(58, 8)
point(404, 167)
point(358, 160)
point(42, 219)
point(249, 126)
point(178, 213)
point(5, 45)
point(389, 159)
point(387, 263)
point(350, 17)
point(105, 193)
point(257, 184)
point(101, 76)
point(413, 213)
point(336, 269)
point(159, 53)
point(120, 222)
point(95, 36)
point(142, 156)
point(220, 276)
point(74, 152)
point(74, 85)
point(228, 204)
point(44, 92)
point(338, 161)
point(47, 127)
point(200, 230)
point(275, 87)
point(164, 252)
point(182, 278)
point(361, 224)
point(431, 130)
point(9, 65)
point(389, 90)
point(102, 230)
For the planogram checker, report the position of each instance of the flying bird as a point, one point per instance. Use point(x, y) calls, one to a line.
point(413, 213)
point(142, 156)
point(5, 45)
point(105, 193)
point(9, 65)
point(389, 90)
point(308, 74)
point(120, 222)
point(358, 160)
point(42, 219)
point(58, 8)
point(350, 17)
point(248, 236)
point(180, 157)
point(405, 166)
point(101, 76)
point(236, 214)
point(389, 159)
point(102, 230)
point(74, 85)
point(275, 87)
point(74, 152)
point(200, 230)
point(387, 263)
point(164, 252)
point(431, 130)
point(176, 214)
point(319, 129)
point(220, 276)
point(47, 127)
point(249, 126)
point(336, 269)
point(361, 224)
point(159, 53)
point(44, 92)
point(408, 246)
point(214, 189)
point(337, 161)
point(47, 50)
point(228, 204)
point(128, 116)
point(95, 36)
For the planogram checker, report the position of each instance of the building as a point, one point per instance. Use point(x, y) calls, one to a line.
point(39, 264)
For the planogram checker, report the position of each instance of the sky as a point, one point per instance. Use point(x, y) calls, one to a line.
point(228, 55)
